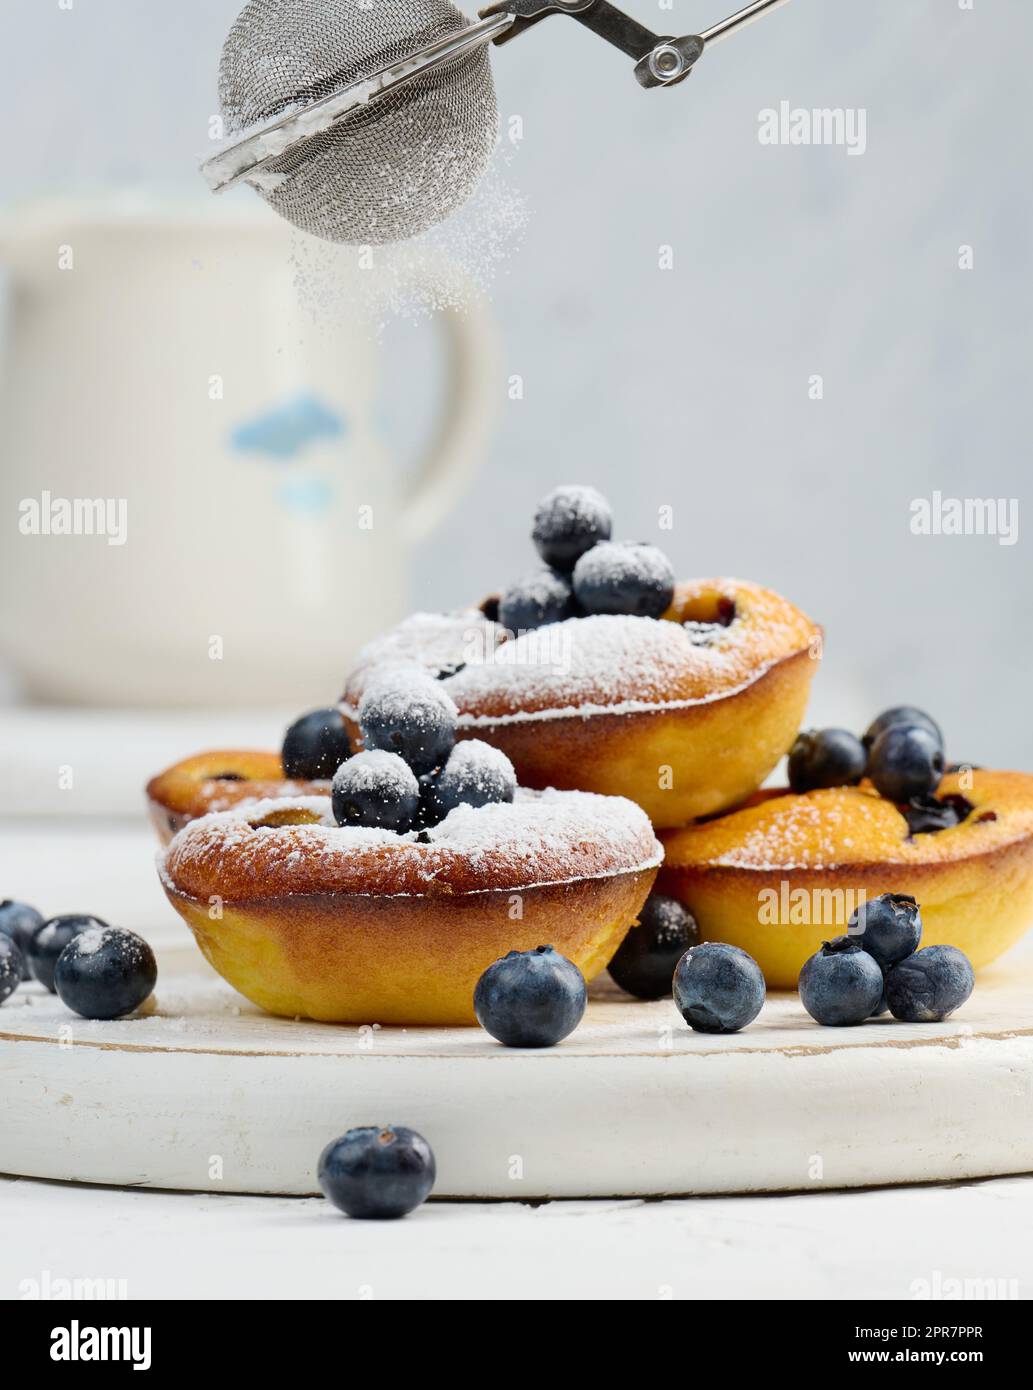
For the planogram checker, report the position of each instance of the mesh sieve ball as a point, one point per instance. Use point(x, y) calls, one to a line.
point(390, 169)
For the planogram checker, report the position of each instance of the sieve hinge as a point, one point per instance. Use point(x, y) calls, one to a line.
point(660, 61)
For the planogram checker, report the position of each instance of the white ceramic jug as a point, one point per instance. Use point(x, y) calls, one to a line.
point(198, 504)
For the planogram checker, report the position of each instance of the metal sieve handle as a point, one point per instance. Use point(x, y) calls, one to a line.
point(739, 20)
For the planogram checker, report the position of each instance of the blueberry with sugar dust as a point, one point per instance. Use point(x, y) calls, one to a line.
point(476, 774)
point(406, 711)
point(12, 967)
point(627, 578)
point(20, 922)
point(645, 961)
point(105, 972)
point(541, 597)
point(569, 522)
point(377, 790)
point(49, 940)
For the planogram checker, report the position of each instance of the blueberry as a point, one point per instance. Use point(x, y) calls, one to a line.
point(105, 972)
point(905, 762)
point(409, 713)
point(926, 987)
point(545, 596)
point(644, 963)
point(426, 811)
point(12, 967)
point(901, 714)
point(377, 1173)
point(568, 522)
point(841, 984)
point(530, 998)
point(927, 814)
point(476, 774)
point(19, 921)
point(49, 940)
point(624, 577)
point(375, 789)
point(826, 758)
point(718, 988)
point(888, 927)
point(315, 745)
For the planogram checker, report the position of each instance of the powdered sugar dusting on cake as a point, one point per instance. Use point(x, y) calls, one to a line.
point(837, 828)
point(219, 795)
point(541, 837)
point(799, 832)
point(596, 665)
point(433, 642)
point(588, 665)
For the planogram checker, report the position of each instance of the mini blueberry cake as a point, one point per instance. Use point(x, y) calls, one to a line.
point(599, 672)
point(780, 875)
point(330, 909)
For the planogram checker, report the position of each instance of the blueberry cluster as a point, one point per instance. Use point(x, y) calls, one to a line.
point(901, 751)
point(96, 970)
point(411, 771)
point(584, 571)
point(878, 966)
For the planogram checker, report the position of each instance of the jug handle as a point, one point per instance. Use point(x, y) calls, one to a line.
point(464, 424)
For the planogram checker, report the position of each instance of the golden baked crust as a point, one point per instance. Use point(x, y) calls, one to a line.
point(198, 785)
point(361, 926)
point(685, 715)
point(753, 876)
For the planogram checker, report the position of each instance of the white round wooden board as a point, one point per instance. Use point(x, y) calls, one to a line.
point(205, 1092)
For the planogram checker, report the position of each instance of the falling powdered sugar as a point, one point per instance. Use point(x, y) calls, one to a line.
point(451, 266)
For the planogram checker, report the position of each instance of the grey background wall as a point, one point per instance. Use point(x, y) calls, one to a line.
point(689, 386)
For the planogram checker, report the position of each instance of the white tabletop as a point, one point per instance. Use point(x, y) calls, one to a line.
point(894, 1243)
point(898, 1243)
